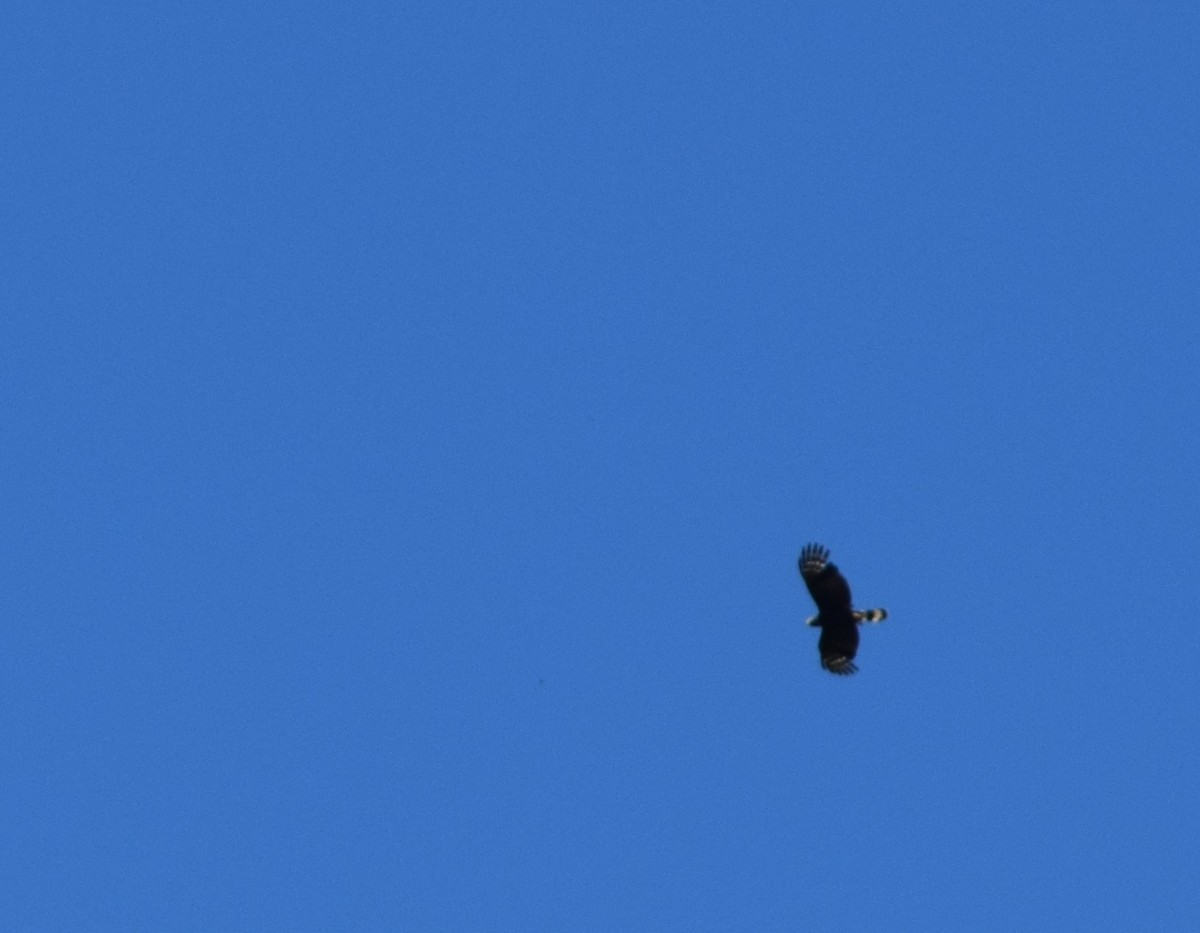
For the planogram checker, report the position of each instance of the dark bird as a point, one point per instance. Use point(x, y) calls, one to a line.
point(837, 619)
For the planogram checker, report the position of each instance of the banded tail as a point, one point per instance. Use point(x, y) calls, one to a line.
point(870, 615)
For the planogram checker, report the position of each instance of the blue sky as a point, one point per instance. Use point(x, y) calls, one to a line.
point(413, 413)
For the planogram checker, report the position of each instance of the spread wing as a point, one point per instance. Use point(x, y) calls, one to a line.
point(828, 587)
point(838, 646)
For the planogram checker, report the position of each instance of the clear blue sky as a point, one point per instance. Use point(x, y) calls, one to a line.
point(412, 414)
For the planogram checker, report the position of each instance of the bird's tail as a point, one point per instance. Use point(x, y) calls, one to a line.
point(870, 615)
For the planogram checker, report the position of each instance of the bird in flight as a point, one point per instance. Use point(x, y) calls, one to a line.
point(837, 619)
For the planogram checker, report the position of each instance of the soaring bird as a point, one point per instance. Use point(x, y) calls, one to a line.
point(837, 619)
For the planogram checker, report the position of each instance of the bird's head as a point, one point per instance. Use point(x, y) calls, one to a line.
point(811, 620)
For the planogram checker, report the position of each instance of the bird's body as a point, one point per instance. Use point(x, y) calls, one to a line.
point(836, 616)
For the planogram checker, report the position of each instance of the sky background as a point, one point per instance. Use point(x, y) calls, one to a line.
point(412, 414)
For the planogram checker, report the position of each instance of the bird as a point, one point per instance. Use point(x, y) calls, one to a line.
point(836, 617)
